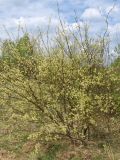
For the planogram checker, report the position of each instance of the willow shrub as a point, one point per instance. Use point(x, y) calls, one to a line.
point(55, 96)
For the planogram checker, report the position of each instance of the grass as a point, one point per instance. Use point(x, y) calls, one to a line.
point(71, 152)
point(65, 151)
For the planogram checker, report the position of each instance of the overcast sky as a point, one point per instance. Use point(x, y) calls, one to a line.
point(34, 13)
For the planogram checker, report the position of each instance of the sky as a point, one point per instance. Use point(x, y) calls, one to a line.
point(38, 13)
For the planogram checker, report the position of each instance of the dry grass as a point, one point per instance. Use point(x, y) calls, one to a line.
point(5, 155)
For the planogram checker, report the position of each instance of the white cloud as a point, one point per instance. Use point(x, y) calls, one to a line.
point(34, 21)
point(91, 14)
point(74, 26)
point(113, 9)
point(114, 29)
point(20, 21)
point(31, 22)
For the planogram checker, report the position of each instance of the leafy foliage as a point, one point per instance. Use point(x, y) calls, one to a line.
point(64, 95)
